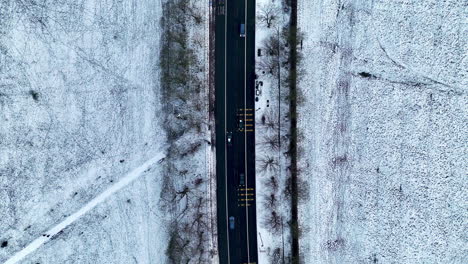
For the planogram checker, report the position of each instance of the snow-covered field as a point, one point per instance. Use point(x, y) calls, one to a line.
point(384, 127)
point(80, 111)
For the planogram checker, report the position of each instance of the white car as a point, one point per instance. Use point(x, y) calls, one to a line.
point(229, 138)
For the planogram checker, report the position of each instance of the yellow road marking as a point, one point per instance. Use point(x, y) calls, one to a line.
point(246, 194)
point(248, 189)
point(249, 199)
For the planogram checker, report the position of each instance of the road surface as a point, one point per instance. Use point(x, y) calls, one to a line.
point(235, 78)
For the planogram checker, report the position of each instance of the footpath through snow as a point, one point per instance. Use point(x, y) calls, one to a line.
point(126, 180)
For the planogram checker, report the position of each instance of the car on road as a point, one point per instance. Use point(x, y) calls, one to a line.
point(242, 30)
point(229, 138)
point(242, 179)
point(240, 124)
point(231, 222)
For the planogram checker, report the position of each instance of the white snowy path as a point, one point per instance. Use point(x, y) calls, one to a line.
point(130, 177)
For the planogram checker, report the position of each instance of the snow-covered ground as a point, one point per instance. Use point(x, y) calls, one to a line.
point(270, 240)
point(189, 187)
point(385, 127)
point(80, 111)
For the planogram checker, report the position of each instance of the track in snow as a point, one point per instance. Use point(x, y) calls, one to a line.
point(127, 179)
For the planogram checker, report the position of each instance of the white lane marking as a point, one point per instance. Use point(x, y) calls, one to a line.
point(245, 130)
point(127, 179)
point(225, 131)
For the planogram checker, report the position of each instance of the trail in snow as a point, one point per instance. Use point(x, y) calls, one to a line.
point(131, 176)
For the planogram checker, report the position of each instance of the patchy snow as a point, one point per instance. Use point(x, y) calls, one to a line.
point(79, 108)
point(268, 106)
point(188, 178)
point(384, 126)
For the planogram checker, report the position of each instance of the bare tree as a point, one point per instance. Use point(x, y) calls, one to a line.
point(269, 62)
point(273, 222)
point(271, 120)
point(270, 201)
point(276, 54)
point(269, 65)
point(272, 184)
point(275, 257)
point(271, 45)
point(268, 13)
point(271, 142)
point(267, 164)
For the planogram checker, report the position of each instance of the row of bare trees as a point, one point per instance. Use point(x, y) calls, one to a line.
point(279, 61)
point(268, 168)
point(184, 196)
point(270, 149)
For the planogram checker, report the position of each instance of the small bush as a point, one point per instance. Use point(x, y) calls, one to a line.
point(34, 94)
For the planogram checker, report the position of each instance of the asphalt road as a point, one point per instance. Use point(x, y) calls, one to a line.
point(234, 79)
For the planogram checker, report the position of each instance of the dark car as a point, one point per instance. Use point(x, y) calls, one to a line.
point(242, 30)
point(231, 222)
point(240, 123)
point(241, 179)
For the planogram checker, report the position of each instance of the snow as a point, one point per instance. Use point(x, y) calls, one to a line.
point(123, 182)
point(80, 107)
point(384, 126)
point(189, 180)
point(268, 105)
